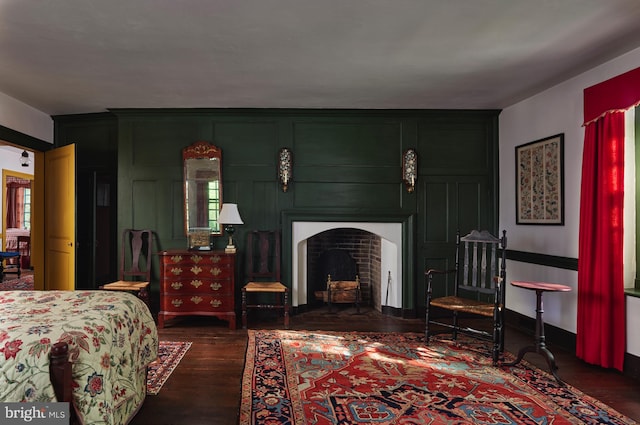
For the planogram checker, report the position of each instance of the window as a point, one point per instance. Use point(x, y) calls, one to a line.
point(26, 213)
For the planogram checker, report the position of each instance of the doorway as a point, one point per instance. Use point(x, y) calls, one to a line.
point(17, 185)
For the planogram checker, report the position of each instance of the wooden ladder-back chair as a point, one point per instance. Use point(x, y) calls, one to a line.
point(24, 248)
point(135, 264)
point(479, 278)
point(263, 274)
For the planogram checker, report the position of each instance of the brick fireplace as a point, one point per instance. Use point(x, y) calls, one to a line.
point(360, 247)
point(388, 272)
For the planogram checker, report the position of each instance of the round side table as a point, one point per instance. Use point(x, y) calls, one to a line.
point(540, 346)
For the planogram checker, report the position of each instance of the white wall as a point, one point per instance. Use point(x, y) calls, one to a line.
point(21, 117)
point(10, 160)
point(554, 111)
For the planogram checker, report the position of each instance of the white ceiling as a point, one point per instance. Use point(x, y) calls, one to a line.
point(79, 56)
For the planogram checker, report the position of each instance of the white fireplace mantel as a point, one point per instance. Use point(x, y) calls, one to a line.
point(390, 263)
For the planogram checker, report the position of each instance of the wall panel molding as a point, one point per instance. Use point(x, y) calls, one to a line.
point(566, 263)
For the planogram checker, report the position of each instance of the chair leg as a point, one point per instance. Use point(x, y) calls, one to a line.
point(143, 294)
point(244, 309)
point(455, 325)
point(426, 321)
point(500, 335)
point(286, 309)
point(496, 344)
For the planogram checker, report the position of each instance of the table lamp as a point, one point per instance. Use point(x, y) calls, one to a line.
point(229, 216)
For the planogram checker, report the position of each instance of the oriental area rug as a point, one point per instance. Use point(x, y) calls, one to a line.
point(318, 377)
point(169, 355)
point(22, 283)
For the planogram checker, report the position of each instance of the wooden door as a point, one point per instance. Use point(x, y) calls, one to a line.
point(59, 221)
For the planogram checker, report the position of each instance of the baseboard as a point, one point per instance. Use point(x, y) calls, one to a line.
point(564, 339)
point(397, 312)
point(632, 366)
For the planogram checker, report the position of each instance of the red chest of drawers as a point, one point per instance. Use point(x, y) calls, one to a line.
point(197, 283)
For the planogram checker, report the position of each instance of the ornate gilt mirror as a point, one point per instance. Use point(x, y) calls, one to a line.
point(202, 192)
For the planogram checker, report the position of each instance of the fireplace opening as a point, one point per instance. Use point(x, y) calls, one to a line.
point(337, 263)
point(343, 253)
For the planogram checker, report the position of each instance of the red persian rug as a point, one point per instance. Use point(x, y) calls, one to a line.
point(169, 355)
point(12, 282)
point(317, 377)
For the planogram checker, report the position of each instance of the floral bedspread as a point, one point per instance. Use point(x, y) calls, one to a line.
point(112, 338)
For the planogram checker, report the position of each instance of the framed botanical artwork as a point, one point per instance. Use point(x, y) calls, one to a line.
point(540, 181)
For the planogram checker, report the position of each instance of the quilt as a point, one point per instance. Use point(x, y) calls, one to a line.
point(111, 336)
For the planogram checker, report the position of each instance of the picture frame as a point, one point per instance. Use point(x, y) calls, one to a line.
point(200, 239)
point(540, 181)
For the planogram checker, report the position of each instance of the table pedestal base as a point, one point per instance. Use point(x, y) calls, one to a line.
point(540, 346)
point(544, 352)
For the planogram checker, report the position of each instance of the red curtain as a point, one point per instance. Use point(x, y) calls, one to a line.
point(15, 201)
point(601, 331)
point(616, 94)
point(12, 213)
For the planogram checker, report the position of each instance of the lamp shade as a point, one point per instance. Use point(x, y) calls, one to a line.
point(229, 214)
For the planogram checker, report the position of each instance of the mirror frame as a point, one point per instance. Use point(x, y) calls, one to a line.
point(200, 150)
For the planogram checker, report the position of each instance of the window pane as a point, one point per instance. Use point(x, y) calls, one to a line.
point(27, 209)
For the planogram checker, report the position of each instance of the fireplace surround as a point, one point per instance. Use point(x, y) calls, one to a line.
point(396, 233)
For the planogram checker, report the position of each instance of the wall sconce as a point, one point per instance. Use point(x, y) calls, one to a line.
point(24, 159)
point(410, 169)
point(285, 168)
point(229, 216)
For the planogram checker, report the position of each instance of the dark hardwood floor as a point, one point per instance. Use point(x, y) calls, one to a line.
point(205, 388)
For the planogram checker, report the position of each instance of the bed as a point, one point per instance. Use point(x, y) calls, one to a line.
point(12, 236)
point(109, 337)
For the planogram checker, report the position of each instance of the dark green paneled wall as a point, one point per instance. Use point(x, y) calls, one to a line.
point(97, 238)
point(344, 161)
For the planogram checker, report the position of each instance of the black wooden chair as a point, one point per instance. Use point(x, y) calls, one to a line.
point(478, 292)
